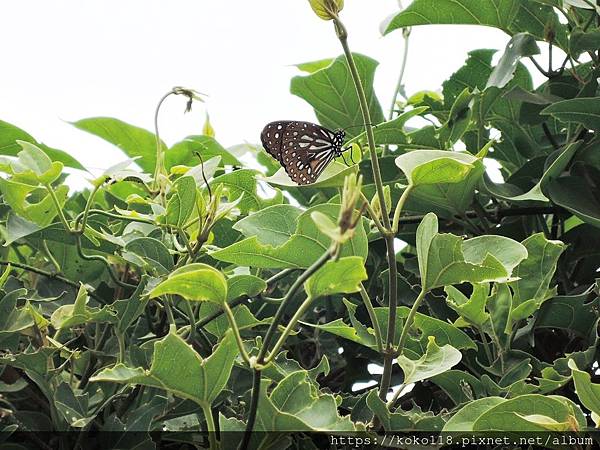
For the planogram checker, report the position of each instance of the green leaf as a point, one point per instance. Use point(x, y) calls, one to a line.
point(464, 419)
point(574, 194)
point(78, 313)
point(335, 277)
point(151, 253)
point(401, 420)
point(33, 164)
point(305, 246)
point(41, 213)
point(195, 282)
point(295, 404)
point(572, 313)
point(436, 360)
point(273, 225)
point(244, 319)
point(587, 392)
point(541, 188)
point(585, 111)
point(178, 369)
point(423, 167)
point(535, 274)
point(244, 285)
point(13, 319)
point(132, 140)
point(583, 41)
point(313, 66)
point(493, 13)
point(446, 259)
point(391, 132)
point(129, 309)
point(470, 309)
point(332, 95)
point(184, 152)
point(333, 176)
point(509, 415)
point(326, 9)
point(521, 45)
point(461, 387)
point(10, 134)
point(181, 201)
point(242, 184)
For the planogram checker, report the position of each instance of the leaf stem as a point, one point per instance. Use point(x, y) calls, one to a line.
point(371, 311)
point(373, 214)
point(409, 321)
point(400, 208)
point(236, 333)
point(59, 210)
point(210, 426)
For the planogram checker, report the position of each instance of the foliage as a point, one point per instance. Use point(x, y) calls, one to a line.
point(173, 294)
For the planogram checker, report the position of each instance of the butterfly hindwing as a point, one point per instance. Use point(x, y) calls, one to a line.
point(303, 149)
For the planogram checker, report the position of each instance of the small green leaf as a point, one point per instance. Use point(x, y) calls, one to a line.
point(181, 201)
point(587, 392)
point(326, 9)
point(195, 282)
point(151, 253)
point(423, 167)
point(470, 309)
point(244, 285)
point(242, 184)
point(185, 152)
point(68, 316)
point(583, 41)
point(574, 194)
point(402, 420)
point(335, 277)
point(178, 369)
point(436, 360)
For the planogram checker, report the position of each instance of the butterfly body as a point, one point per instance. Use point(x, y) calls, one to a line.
point(303, 149)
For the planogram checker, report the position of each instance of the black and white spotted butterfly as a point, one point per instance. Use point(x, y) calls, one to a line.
point(303, 149)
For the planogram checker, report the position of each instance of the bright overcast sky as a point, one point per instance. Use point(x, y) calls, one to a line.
point(65, 60)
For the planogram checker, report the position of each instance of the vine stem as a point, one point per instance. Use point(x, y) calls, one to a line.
point(371, 311)
point(342, 35)
point(409, 321)
point(236, 333)
point(260, 359)
point(159, 168)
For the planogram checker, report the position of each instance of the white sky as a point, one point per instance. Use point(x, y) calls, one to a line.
point(65, 60)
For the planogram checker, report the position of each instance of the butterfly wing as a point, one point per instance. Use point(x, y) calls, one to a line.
point(303, 149)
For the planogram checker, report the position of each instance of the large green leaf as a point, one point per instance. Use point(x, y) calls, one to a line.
point(515, 414)
point(184, 152)
point(333, 176)
point(196, 282)
point(78, 313)
point(132, 140)
point(181, 201)
point(436, 360)
point(341, 276)
point(520, 45)
point(574, 193)
point(10, 134)
point(303, 248)
point(423, 167)
point(446, 259)
point(585, 111)
point(149, 253)
point(331, 93)
point(465, 417)
point(178, 369)
point(273, 225)
point(493, 13)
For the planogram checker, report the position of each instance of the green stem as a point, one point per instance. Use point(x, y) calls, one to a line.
point(59, 210)
point(373, 214)
point(121, 341)
point(192, 319)
point(486, 346)
point(342, 34)
point(367, 302)
point(400, 208)
point(288, 329)
point(160, 164)
point(169, 311)
point(86, 211)
point(236, 333)
point(120, 217)
point(409, 321)
point(51, 257)
point(395, 398)
point(210, 426)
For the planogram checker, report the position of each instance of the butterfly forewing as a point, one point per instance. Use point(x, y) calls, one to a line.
point(303, 149)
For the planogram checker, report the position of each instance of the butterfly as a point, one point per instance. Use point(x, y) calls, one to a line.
point(303, 149)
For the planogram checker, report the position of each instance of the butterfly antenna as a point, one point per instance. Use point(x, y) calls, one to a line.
point(203, 174)
point(360, 126)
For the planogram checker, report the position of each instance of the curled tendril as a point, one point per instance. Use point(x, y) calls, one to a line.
point(197, 153)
